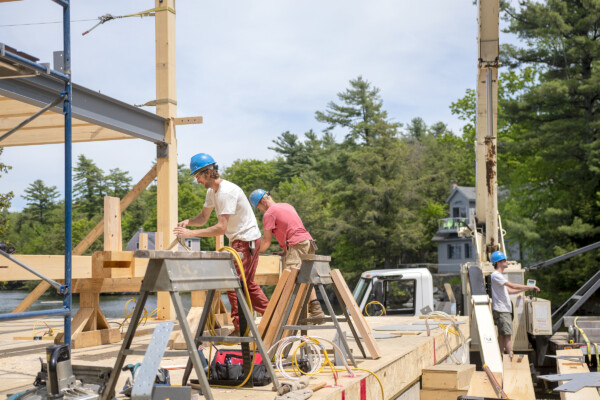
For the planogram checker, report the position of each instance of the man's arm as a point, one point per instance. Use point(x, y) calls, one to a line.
point(514, 288)
point(218, 229)
point(198, 220)
point(266, 241)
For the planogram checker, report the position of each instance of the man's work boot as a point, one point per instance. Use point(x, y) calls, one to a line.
point(315, 311)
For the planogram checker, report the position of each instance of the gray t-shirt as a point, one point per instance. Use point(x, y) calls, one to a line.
point(231, 200)
point(500, 299)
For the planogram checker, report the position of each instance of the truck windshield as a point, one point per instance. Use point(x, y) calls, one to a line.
point(359, 290)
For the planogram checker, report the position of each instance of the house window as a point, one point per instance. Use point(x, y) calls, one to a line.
point(459, 212)
point(454, 251)
point(467, 250)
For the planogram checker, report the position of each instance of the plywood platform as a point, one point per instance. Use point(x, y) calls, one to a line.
point(399, 369)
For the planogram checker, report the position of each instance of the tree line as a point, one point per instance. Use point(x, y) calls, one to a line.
point(371, 190)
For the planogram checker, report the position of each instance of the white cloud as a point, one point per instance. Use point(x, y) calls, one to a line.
point(251, 69)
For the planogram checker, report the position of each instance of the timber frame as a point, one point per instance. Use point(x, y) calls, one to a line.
point(96, 117)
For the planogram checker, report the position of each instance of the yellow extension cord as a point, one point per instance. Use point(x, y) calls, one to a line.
point(383, 312)
point(334, 371)
point(211, 321)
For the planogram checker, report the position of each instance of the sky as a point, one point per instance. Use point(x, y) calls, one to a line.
point(252, 70)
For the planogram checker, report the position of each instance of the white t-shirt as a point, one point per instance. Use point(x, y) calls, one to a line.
point(231, 200)
point(500, 299)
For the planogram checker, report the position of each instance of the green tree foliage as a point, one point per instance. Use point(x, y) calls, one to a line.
point(40, 199)
point(117, 182)
point(5, 199)
point(89, 188)
point(554, 140)
point(360, 114)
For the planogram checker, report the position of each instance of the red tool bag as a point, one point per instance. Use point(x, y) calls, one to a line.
point(227, 368)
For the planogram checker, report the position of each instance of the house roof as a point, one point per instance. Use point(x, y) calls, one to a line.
point(467, 191)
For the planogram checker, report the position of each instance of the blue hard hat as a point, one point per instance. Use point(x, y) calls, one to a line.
point(199, 161)
point(256, 196)
point(497, 256)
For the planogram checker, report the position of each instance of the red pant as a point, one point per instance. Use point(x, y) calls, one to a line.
point(250, 262)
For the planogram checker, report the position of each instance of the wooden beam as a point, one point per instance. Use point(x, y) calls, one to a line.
point(166, 88)
point(56, 135)
point(517, 383)
point(112, 224)
point(569, 367)
point(187, 120)
point(356, 314)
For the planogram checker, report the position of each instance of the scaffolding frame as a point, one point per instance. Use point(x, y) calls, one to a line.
point(65, 97)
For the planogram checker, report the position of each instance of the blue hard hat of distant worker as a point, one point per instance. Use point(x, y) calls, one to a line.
point(497, 256)
point(256, 196)
point(199, 161)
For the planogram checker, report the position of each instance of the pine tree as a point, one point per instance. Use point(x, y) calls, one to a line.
point(360, 113)
point(40, 199)
point(89, 188)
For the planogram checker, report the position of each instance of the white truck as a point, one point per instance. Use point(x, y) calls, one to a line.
point(400, 291)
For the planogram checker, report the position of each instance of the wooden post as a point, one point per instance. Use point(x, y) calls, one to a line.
point(166, 97)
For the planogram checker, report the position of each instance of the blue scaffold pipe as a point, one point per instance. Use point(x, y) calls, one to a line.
point(67, 303)
point(35, 314)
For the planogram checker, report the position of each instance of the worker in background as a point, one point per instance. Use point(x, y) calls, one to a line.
point(235, 219)
point(501, 305)
point(282, 221)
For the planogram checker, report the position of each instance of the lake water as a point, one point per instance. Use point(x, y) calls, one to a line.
point(113, 306)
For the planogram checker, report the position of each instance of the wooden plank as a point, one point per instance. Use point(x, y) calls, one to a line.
point(220, 242)
point(296, 307)
point(187, 120)
point(447, 376)
point(273, 302)
point(112, 224)
point(481, 386)
point(51, 135)
point(569, 367)
point(96, 338)
point(356, 314)
point(166, 88)
point(277, 317)
point(143, 241)
point(176, 341)
point(108, 285)
point(53, 266)
point(517, 383)
point(442, 394)
point(268, 270)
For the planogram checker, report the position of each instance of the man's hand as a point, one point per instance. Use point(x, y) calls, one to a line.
point(537, 289)
point(184, 223)
point(183, 232)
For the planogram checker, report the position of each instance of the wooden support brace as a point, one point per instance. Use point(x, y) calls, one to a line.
point(356, 314)
point(187, 120)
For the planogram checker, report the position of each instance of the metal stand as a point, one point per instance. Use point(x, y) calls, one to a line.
point(315, 271)
point(188, 271)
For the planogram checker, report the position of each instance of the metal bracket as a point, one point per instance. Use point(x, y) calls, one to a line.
point(575, 382)
point(157, 102)
point(579, 359)
point(162, 150)
point(59, 61)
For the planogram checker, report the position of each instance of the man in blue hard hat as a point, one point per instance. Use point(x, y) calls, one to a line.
point(282, 221)
point(501, 305)
point(235, 219)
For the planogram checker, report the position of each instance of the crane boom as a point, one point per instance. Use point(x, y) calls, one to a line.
point(486, 206)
